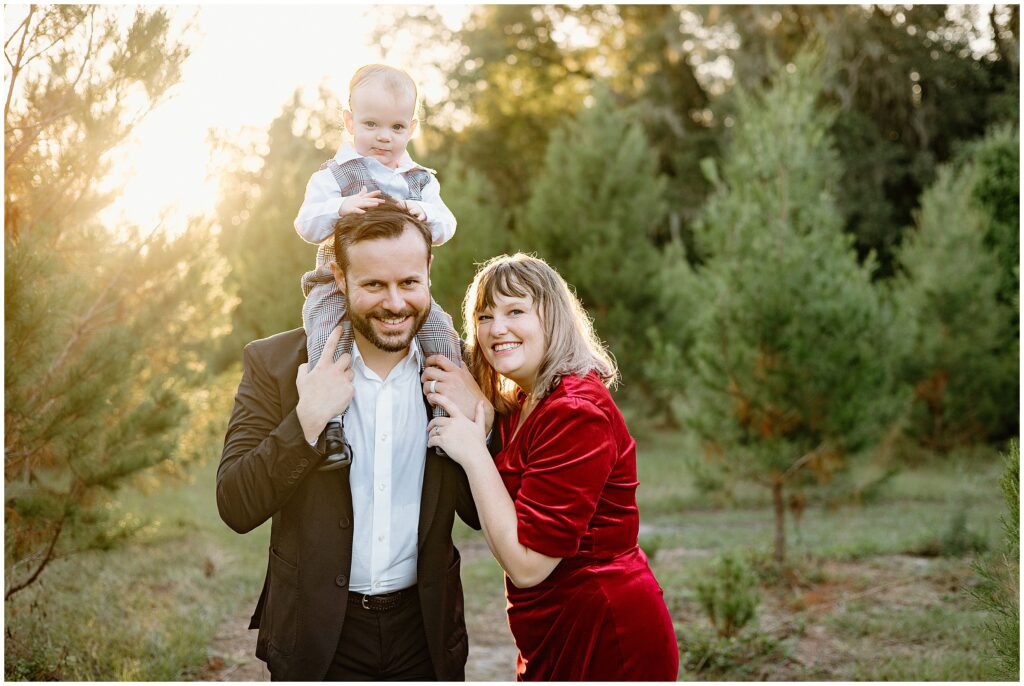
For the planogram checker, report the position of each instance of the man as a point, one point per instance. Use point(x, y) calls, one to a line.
point(362, 580)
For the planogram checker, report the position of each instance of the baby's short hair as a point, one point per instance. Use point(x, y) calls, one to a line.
point(396, 80)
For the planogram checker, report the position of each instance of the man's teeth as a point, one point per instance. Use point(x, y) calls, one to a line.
point(395, 320)
point(506, 346)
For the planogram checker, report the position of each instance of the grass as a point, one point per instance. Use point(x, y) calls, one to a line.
point(143, 612)
point(869, 606)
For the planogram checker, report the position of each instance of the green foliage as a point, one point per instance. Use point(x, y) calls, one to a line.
point(103, 325)
point(963, 363)
point(482, 233)
point(740, 657)
point(593, 211)
point(957, 540)
point(793, 349)
point(259, 199)
point(996, 195)
point(908, 87)
point(999, 590)
point(729, 595)
point(148, 610)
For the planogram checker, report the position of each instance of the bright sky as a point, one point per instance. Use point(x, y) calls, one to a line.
point(246, 62)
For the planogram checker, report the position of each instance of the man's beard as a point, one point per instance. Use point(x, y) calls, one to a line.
point(393, 343)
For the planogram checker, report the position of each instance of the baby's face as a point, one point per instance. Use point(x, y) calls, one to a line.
point(381, 123)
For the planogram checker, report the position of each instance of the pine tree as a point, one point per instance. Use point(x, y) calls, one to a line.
point(793, 349)
point(593, 212)
point(259, 200)
point(103, 324)
point(963, 364)
point(482, 233)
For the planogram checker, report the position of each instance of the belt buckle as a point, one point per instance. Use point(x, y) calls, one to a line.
point(363, 602)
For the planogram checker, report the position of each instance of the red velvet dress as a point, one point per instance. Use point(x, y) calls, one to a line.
point(600, 615)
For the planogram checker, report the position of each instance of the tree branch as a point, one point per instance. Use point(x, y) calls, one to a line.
point(793, 468)
point(45, 561)
point(16, 67)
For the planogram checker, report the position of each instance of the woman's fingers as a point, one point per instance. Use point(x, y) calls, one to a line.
point(445, 403)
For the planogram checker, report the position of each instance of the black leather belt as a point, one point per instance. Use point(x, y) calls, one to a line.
point(382, 602)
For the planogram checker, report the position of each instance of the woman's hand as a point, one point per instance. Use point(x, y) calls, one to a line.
point(442, 378)
point(461, 438)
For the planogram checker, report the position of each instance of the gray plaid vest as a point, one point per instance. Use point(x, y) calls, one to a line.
point(353, 175)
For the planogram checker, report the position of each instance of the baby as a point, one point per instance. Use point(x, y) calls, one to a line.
point(380, 118)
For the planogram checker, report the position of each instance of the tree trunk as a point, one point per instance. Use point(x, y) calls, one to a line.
point(780, 523)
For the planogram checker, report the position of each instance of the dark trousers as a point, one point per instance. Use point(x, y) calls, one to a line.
point(383, 645)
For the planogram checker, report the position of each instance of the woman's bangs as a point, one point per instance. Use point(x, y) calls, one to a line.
point(504, 280)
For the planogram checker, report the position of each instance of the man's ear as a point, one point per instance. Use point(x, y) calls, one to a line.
point(346, 116)
point(339, 276)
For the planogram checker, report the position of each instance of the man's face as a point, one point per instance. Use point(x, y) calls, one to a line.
point(381, 123)
point(388, 289)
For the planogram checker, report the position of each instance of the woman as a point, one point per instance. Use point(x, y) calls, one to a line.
point(557, 504)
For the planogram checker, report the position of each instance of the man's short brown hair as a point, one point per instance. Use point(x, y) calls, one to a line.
point(386, 220)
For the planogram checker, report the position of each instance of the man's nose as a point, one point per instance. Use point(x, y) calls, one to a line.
point(394, 300)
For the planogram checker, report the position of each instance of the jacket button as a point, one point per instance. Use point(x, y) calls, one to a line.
point(303, 462)
point(341, 580)
point(345, 523)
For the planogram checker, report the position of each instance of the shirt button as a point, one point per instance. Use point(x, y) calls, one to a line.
point(380, 539)
point(383, 438)
point(341, 580)
point(382, 486)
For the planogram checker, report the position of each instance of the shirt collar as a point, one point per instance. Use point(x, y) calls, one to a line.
point(414, 358)
point(346, 152)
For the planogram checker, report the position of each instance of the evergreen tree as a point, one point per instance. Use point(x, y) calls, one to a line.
point(963, 363)
point(792, 366)
point(999, 590)
point(259, 200)
point(593, 212)
point(481, 233)
point(102, 324)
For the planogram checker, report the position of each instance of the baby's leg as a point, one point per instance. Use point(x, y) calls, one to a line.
point(324, 309)
point(437, 336)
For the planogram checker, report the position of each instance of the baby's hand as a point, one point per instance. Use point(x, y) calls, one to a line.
point(416, 210)
point(358, 203)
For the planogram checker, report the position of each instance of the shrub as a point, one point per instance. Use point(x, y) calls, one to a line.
point(730, 595)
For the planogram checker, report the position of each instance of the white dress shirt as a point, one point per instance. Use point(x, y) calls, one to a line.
point(386, 426)
point(319, 211)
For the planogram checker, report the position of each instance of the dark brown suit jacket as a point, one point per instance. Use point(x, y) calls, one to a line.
point(268, 470)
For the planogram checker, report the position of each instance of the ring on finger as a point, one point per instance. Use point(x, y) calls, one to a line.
point(437, 431)
point(433, 385)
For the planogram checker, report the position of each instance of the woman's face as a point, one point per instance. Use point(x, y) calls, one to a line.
point(511, 336)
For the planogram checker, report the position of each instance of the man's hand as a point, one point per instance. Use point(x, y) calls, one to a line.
point(457, 385)
point(324, 391)
point(360, 202)
point(415, 209)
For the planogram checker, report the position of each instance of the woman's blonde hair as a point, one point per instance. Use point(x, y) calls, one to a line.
point(570, 344)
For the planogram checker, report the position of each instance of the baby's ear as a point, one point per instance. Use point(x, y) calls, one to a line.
point(347, 119)
point(412, 126)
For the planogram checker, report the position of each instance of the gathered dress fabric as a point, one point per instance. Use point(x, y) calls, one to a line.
point(600, 615)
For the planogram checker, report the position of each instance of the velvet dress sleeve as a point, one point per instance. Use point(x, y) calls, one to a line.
point(569, 454)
